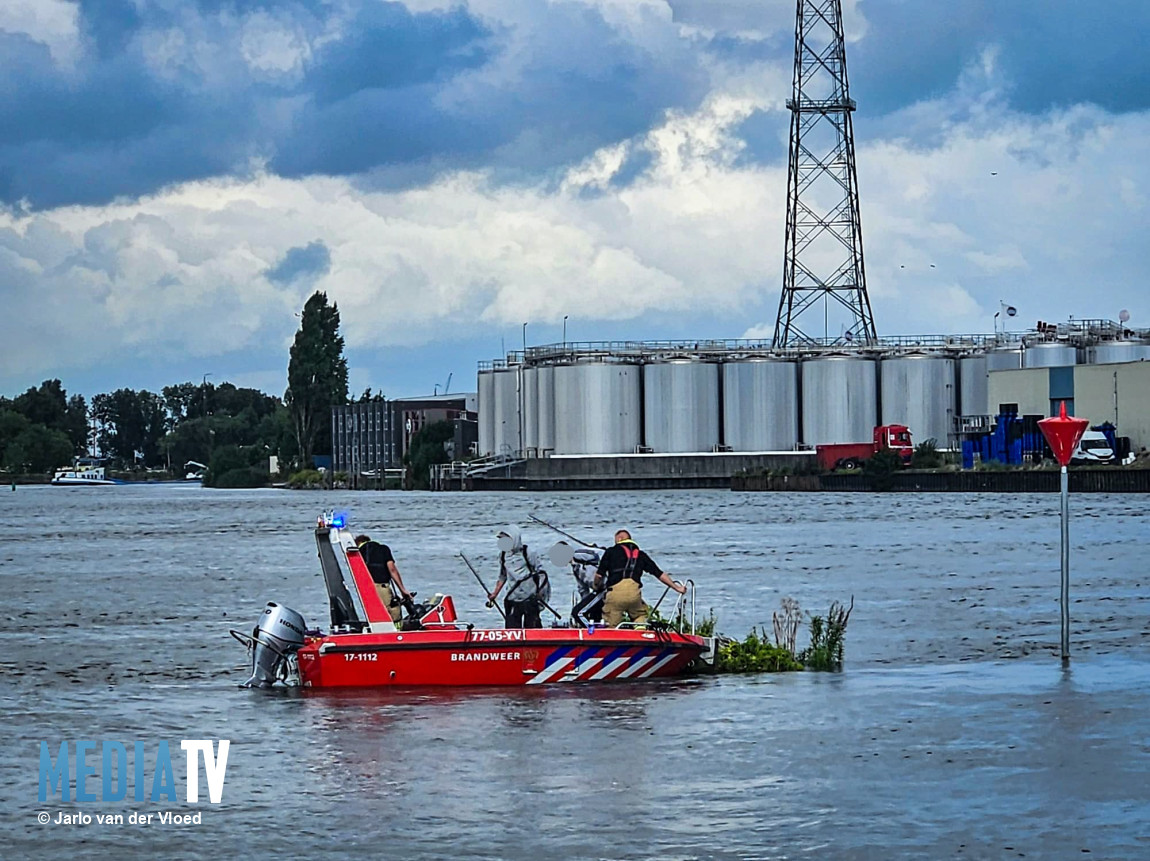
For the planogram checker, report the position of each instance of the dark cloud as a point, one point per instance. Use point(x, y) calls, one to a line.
point(164, 93)
point(302, 261)
point(1051, 53)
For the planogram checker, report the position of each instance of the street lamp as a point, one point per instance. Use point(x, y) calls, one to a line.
point(204, 393)
point(565, 329)
point(524, 340)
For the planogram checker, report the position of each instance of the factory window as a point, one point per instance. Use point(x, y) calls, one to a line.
point(1056, 406)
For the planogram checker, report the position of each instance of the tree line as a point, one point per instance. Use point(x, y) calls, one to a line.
point(231, 429)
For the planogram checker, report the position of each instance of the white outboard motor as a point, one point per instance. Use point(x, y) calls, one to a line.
point(274, 642)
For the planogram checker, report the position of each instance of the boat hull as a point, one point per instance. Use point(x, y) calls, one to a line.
point(494, 657)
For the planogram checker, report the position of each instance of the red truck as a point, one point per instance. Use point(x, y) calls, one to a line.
point(851, 455)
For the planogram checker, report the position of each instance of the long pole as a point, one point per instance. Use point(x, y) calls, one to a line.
point(564, 534)
point(1065, 598)
point(483, 586)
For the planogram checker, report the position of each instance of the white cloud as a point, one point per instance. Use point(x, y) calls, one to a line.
point(999, 205)
point(273, 47)
point(54, 23)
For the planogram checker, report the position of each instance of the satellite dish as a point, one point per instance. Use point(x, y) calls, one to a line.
point(848, 336)
point(1011, 311)
point(1124, 316)
point(561, 554)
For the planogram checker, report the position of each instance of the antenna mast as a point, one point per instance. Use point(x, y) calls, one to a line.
point(823, 264)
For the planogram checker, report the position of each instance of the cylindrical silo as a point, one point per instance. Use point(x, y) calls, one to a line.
point(1004, 359)
point(918, 391)
point(760, 405)
point(486, 412)
point(597, 408)
point(1115, 352)
point(840, 402)
point(1050, 356)
point(545, 383)
point(529, 381)
point(506, 398)
point(973, 393)
point(681, 405)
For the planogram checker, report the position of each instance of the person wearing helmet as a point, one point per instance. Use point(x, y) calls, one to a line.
point(619, 572)
point(529, 586)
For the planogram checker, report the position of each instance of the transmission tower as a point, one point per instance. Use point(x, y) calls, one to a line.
point(823, 265)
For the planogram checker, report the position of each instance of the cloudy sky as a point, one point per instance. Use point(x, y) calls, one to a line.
point(177, 176)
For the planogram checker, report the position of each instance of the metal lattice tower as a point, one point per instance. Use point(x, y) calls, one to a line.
point(823, 265)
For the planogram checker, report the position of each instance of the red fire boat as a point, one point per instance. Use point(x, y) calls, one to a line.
point(364, 648)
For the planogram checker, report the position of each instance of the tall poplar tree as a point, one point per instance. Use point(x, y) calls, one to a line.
point(317, 373)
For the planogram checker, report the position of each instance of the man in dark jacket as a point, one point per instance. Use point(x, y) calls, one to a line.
point(619, 572)
point(385, 574)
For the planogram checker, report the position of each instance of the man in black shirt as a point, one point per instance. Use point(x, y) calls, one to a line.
point(619, 571)
point(385, 574)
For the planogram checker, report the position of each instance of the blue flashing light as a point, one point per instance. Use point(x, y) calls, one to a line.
point(338, 521)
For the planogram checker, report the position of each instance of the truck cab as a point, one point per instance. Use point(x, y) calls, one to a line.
point(896, 438)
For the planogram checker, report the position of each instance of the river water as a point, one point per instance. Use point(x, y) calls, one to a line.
point(952, 732)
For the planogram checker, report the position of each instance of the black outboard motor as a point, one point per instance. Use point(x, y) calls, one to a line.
point(274, 642)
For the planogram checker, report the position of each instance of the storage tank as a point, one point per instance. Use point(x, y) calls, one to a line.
point(1004, 359)
point(1050, 356)
point(760, 405)
point(918, 391)
point(840, 401)
point(1115, 352)
point(529, 381)
point(597, 408)
point(973, 392)
point(486, 405)
point(681, 405)
point(545, 384)
point(506, 399)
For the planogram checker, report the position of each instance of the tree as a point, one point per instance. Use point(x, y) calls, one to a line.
point(130, 422)
point(12, 424)
point(428, 446)
point(317, 374)
point(38, 449)
point(50, 406)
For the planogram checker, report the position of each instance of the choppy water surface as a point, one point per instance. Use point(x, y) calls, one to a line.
point(953, 732)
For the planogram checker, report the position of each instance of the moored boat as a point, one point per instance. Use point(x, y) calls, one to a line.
point(84, 472)
point(364, 648)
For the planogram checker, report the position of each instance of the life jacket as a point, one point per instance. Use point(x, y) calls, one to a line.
point(630, 568)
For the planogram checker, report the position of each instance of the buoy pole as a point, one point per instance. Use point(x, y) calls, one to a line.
point(1065, 566)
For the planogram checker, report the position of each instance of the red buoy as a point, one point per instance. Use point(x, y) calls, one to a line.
point(1063, 433)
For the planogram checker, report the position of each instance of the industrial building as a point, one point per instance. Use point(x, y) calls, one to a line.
point(688, 413)
point(371, 437)
point(715, 397)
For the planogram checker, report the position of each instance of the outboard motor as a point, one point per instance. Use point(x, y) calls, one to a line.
point(274, 642)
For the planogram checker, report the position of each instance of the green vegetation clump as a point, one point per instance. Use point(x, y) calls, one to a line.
point(306, 479)
point(755, 654)
point(881, 468)
point(926, 455)
point(244, 477)
point(826, 649)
